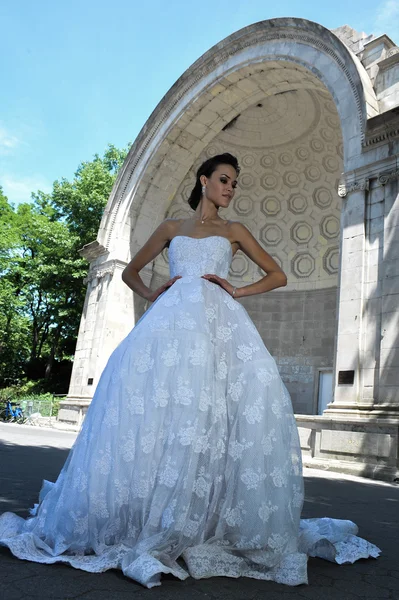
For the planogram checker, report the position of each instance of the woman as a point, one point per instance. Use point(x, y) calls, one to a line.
point(188, 461)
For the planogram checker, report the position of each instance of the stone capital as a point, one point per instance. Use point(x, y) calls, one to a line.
point(384, 178)
point(107, 268)
point(347, 188)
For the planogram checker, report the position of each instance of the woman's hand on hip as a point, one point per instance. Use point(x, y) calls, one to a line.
point(219, 281)
point(154, 295)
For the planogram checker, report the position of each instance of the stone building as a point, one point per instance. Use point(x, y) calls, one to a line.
point(313, 117)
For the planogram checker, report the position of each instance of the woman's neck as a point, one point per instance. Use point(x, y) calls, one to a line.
point(206, 211)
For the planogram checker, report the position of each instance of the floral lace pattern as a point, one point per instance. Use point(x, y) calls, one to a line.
point(189, 450)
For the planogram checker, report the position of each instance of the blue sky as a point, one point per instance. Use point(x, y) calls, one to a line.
point(79, 74)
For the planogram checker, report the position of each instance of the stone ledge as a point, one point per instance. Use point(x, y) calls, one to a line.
point(368, 470)
point(355, 420)
point(389, 61)
point(383, 40)
point(73, 410)
point(359, 446)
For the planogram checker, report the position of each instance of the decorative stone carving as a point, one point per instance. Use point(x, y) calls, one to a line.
point(392, 51)
point(322, 197)
point(247, 181)
point(282, 217)
point(312, 173)
point(297, 204)
point(271, 206)
point(165, 256)
point(303, 264)
point(329, 227)
point(332, 121)
point(302, 153)
point(327, 134)
point(243, 205)
point(180, 212)
point(285, 158)
point(271, 234)
point(268, 161)
point(301, 232)
point(99, 273)
point(248, 160)
point(240, 265)
point(317, 145)
point(269, 181)
point(331, 164)
point(331, 261)
point(92, 251)
point(384, 178)
point(211, 151)
point(291, 179)
point(344, 189)
point(272, 125)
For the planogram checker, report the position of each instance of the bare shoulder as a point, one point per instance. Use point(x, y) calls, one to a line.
point(169, 227)
point(239, 232)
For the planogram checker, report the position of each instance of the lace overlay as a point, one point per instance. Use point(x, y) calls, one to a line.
point(189, 451)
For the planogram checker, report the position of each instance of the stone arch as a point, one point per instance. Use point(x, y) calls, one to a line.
point(251, 66)
point(205, 99)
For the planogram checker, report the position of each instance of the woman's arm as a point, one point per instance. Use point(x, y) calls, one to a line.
point(275, 276)
point(153, 246)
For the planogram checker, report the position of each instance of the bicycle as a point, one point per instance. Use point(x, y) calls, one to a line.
point(12, 413)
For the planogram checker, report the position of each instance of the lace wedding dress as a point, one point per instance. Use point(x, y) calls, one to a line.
point(188, 461)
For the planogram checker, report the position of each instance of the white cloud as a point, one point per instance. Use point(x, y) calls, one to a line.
point(8, 141)
point(19, 189)
point(387, 19)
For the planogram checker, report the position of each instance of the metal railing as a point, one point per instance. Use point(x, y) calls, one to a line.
point(39, 406)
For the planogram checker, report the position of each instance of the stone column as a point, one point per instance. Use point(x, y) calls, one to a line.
point(389, 350)
point(108, 316)
point(366, 380)
point(359, 431)
point(350, 315)
point(370, 335)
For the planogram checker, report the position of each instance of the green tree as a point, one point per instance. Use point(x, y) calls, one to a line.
point(13, 325)
point(42, 271)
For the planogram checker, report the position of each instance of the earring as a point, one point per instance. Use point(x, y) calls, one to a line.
point(203, 190)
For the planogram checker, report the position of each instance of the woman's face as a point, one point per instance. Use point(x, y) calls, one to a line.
point(220, 186)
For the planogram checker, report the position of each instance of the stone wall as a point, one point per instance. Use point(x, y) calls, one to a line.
point(298, 329)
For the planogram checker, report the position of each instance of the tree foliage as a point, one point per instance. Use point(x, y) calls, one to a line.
point(41, 286)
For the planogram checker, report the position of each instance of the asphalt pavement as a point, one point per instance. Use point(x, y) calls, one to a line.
point(30, 454)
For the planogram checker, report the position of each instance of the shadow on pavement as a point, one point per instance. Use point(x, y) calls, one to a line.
point(22, 469)
point(373, 506)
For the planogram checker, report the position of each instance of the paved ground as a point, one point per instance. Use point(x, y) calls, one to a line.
point(28, 454)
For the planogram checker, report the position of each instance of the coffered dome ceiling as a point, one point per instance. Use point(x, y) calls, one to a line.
point(289, 147)
point(280, 119)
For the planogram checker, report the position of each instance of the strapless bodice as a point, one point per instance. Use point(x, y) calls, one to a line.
point(198, 256)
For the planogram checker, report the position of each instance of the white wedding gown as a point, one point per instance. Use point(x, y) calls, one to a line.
point(188, 461)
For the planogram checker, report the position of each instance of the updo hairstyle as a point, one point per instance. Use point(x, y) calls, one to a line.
point(207, 168)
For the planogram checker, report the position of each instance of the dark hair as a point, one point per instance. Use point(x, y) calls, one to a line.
point(207, 168)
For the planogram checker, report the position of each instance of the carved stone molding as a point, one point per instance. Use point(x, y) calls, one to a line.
point(92, 251)
point(382, 134)
point(364, 184)
point(357, 186)
point(99, 274)
point(384, 178)
point(391, 59)
point(103, 270)
point(392, 51)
